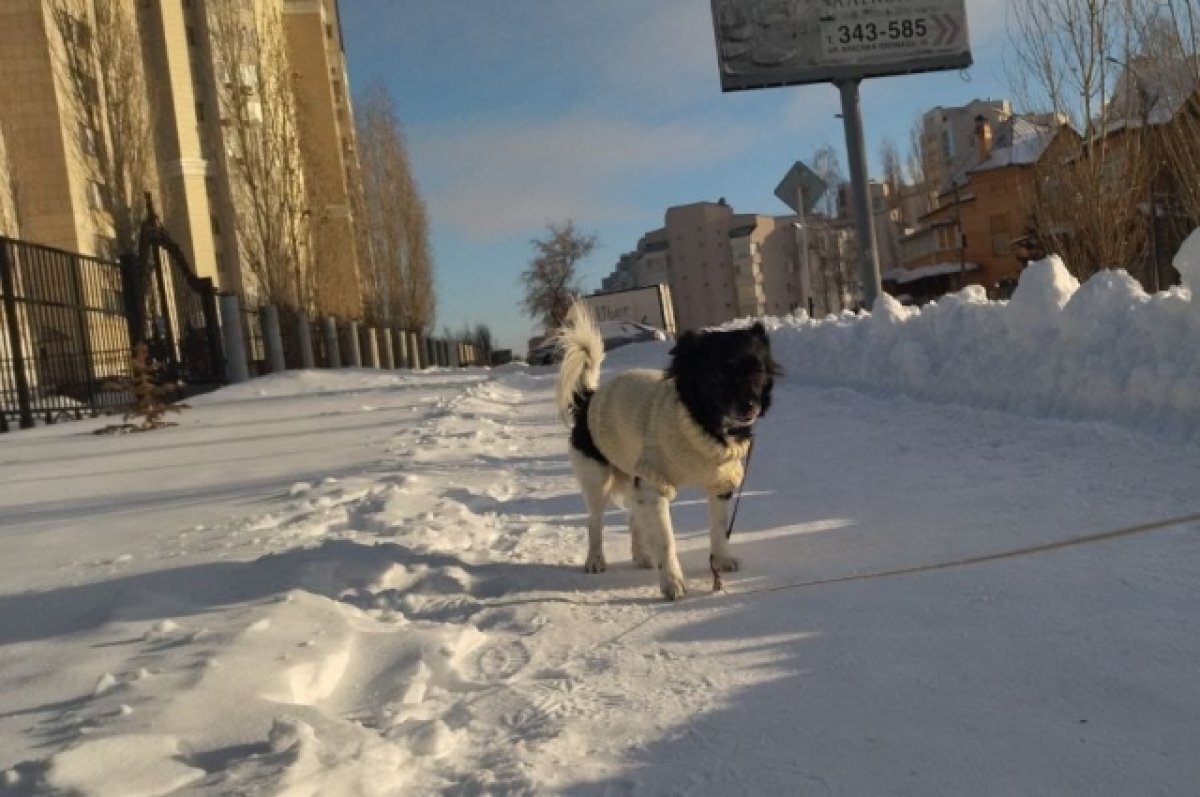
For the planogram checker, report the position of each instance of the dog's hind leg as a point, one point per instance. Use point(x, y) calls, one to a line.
point(622, 495)
point(595, 482)
point(718, 527)
point(652, 515)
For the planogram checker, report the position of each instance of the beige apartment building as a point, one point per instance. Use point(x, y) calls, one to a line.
point(55, 198)
point(722, 265)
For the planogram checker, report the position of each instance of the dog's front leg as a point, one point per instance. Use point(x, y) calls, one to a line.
point(718, 527)
point(652, 515)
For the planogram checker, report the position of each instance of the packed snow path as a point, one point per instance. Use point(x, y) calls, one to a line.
point(363, 583)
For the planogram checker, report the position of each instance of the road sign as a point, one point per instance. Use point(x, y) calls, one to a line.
point(800, 181)
point(762, 43)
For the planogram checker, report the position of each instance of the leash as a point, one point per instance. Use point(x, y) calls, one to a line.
point(712, 565)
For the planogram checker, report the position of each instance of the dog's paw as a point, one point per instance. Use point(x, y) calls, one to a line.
point(595, 563)
point(672, 585)
point(724, 563)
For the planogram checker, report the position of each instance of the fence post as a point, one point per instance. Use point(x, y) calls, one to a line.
point(24, 400)
point(354, 350)
point(333, 352)
point(371, 353)
point(236, 369)
point(389, 354)
point(454, 353)
point(401, 348)
point(272, 339)
point(304, 335)
point(410, 350)
point(414, 351)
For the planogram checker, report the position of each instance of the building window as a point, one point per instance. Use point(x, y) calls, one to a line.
point(216, 224)
point(328, 30)
point(199, 110)
point(191, 35)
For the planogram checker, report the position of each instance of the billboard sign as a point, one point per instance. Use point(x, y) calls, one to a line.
point(650, 306)
point(764, 43)
point(800, 181)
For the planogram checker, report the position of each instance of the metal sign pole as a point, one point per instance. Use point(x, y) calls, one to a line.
point(860, 191)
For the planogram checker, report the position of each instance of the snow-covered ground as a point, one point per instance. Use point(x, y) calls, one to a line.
point(355, 582)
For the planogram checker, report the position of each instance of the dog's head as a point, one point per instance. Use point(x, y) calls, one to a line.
point(725, 378)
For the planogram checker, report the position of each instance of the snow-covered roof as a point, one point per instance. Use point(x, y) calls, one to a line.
point(1151, 91)
point(1019, 141)
point(904, 275)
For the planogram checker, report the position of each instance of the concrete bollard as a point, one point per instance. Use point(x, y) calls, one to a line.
point(414, 351)
point(370, 348)
point(401, 348)
point(333, 352)
point(273, 339)
point(388, 353)
point(353, 349)
point(236, 368)
point(304, 338)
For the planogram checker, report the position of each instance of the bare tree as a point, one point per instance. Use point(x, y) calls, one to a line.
point(103, 79)
point(9, 220)
point(893, 169)
point(1067, 58)
point(551, 280)
point(393, 227)
point(828, 167)
point(262, 150)
point(915, 155)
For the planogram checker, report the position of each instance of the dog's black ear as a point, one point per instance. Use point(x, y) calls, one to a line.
point(760, 330)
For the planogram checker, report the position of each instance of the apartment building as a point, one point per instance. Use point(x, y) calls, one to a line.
point(192, 182)
point(948, 143)
point(317, 57)
point(50, 186)
point(721, 265)
point(8, 201)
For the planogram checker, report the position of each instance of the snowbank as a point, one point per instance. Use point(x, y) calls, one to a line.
point(1101, 351)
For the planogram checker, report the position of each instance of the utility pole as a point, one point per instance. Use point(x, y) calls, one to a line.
point(860, 190)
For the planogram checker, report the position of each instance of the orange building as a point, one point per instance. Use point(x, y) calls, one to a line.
point(973, 234)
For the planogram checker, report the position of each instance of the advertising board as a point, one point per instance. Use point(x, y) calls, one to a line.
point(763, 43)
point(650, 306)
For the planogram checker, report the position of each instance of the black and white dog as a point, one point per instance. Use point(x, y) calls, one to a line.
point(643, 434)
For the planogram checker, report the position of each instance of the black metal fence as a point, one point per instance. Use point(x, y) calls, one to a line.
point(182, 327)
point(68, 322)
point(64, 351)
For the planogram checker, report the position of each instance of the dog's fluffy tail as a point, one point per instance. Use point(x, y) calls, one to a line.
point(582, 352)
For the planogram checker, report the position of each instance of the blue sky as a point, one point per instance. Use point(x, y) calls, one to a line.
point(525, 112)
